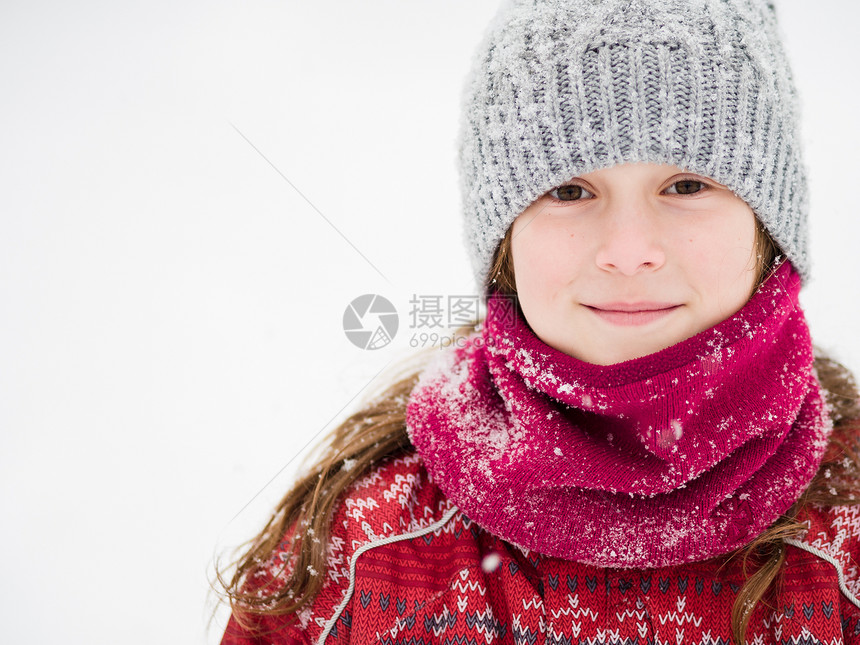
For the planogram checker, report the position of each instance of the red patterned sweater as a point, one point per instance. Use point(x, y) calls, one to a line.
point(405, 566)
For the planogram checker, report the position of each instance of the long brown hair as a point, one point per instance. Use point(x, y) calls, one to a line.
point(377, 433)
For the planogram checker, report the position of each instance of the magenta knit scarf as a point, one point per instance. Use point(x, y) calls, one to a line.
point(675, 457)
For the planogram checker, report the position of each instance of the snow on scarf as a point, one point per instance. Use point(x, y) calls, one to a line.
point(678, 456)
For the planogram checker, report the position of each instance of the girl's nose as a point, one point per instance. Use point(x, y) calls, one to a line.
point(630, 243)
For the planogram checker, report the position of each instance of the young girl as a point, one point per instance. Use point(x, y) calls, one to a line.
point(637, 445)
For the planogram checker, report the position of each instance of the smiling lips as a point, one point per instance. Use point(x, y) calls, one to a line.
point(632, 314)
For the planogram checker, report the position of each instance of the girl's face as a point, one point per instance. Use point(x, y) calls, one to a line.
point(628, 260)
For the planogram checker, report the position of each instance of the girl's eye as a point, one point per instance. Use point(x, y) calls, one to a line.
point(686, 187)
point(571, 193)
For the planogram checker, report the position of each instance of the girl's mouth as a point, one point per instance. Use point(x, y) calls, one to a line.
point(632, 314)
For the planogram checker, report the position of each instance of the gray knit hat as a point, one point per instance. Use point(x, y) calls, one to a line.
point(563, 87)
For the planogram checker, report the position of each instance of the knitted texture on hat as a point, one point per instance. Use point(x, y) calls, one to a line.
point(564, 87)
point(678, 456)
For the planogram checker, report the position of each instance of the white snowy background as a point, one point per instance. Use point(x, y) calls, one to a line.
point(190, 194)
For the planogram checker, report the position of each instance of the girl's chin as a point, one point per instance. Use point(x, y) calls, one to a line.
point(609, 350)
